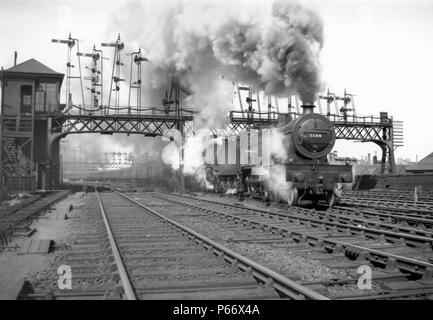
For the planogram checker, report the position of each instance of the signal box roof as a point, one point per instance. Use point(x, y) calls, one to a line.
point(32, 67)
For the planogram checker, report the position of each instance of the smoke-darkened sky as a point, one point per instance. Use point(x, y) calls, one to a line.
point(379, 50)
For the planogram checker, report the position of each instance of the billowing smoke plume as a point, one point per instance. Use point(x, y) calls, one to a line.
point(205, 45)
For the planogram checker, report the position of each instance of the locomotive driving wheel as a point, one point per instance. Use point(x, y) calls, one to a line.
point(292, 199)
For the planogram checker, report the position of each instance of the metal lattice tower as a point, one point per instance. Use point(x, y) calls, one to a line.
point(71, 42)
point(96, 77)
point(115, 74)
point(137, 59)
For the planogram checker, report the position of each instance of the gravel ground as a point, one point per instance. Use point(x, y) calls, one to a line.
point(299, 266)
point(78, 224)
point(294, 264)
point(279, 259)
point(41, 269)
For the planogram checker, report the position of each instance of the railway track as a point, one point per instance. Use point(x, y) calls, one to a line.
point(369, 220)
point(405, 195)
point(155, 257)
point(390, 201)
point(20, 218)
point(420, 208)
point(337, 223)
point(15, 208)
point(386, 251)
point(385, 216)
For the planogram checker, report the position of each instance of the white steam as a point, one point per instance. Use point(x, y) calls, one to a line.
point(277, 145)
point(207, 45)
point(273, 170)
point(275, 177)
point(193, 154)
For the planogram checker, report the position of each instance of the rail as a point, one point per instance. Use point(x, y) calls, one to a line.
point(421, 268)
point(263, 274)
point(124, 278)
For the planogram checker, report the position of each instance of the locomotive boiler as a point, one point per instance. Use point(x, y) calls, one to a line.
point(304, 174)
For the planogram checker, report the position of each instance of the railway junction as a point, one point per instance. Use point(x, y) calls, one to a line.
point(258, 208)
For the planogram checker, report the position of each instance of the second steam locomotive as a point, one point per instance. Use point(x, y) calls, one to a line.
point(303, 174)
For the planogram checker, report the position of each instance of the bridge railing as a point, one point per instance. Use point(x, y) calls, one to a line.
point(245, 116)
point(255, 116)
point(362, 120)
point(124, 111)
point(354, 119)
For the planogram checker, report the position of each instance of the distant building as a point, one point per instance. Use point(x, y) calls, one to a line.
point(404, 161)
point(423, 166)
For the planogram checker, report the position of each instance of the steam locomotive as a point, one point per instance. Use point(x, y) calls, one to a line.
point(305, 170)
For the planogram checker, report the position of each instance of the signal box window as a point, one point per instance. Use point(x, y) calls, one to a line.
point(46, 97)
point(40, 99)
point(51, 97)
point(26, 99)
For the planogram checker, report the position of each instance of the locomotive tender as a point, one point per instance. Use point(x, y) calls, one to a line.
point(308, 139)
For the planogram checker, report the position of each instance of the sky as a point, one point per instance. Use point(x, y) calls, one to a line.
point(379, 50)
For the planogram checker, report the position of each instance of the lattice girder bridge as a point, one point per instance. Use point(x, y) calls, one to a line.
point(384, 131)
point(147, 125)
point(102, 164)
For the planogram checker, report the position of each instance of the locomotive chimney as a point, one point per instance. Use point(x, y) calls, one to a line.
point(308, 108)
point(15, 58)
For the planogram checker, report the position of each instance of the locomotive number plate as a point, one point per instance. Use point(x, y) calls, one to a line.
point(315, 135)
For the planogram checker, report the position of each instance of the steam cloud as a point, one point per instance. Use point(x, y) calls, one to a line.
point(205, 45)
point(275, 177)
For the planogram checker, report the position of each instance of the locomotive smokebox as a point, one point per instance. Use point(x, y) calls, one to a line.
point(308, 108)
